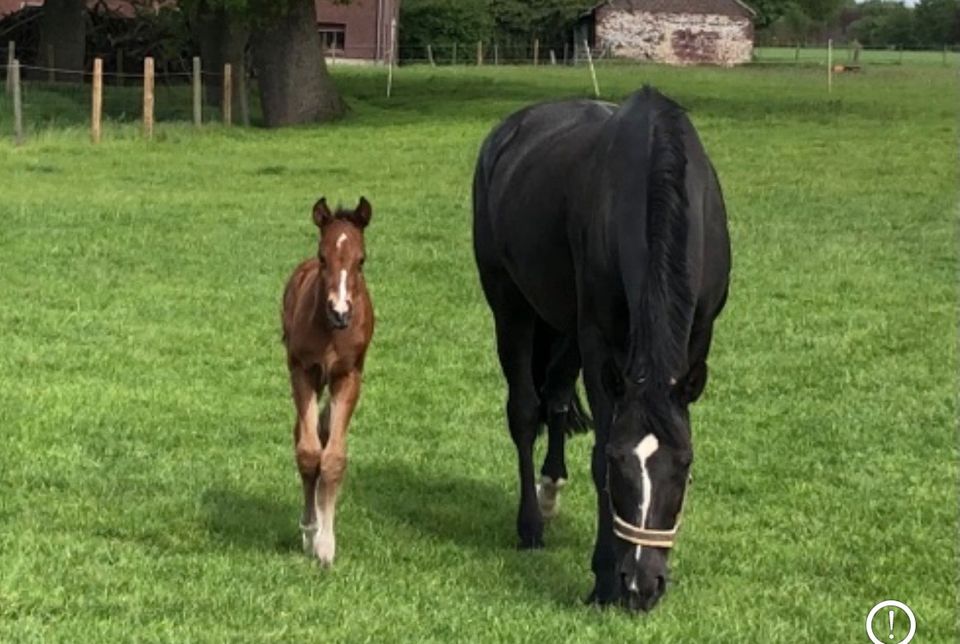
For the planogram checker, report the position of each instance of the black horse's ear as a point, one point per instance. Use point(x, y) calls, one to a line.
point(321, 213)
point(363, 213)
point(612, 380)
point(691, 385)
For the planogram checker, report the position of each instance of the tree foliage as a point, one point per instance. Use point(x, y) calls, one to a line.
point(443, 22)
point(938, 22)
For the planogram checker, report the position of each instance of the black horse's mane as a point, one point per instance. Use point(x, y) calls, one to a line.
point(653, 242)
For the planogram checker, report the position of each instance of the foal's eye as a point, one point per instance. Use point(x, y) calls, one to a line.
point(323, 262)
point(362, 261)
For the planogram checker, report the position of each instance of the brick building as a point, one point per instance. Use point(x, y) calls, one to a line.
point(359, 30)
point(675, 32)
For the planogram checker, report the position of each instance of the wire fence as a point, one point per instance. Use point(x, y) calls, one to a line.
point(203, 95)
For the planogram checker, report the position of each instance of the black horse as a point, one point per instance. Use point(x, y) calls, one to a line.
point(600, 234)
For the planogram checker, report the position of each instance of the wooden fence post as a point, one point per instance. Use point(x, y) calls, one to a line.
point(496, 53)
point(593, 72)
point(227, 94)
point(553, 57)
point(829, 65)
point(11, 55)
point(14, 71)
point(566, 50)
point(454, 53)
point(148, 97)
point(536, 52)
point(430, 56)
point(51, 64)
point(197, 92)
point(96, 109)
point(479, 53)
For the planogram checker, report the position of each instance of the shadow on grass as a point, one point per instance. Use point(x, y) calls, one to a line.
point(479, 515)
point(251, 522)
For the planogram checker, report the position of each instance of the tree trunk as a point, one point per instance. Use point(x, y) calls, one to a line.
point(63, 26)
point(294, 84)
point(223, 39)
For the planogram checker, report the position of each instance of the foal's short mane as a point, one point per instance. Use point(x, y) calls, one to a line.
point(345, 214)
point(650, 215)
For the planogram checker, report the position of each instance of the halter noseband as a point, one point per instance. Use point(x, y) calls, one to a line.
point(641, 536)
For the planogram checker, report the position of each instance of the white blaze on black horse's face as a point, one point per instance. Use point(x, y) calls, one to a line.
point(647, 474)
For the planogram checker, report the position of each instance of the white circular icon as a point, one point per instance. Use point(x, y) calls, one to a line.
point(890, 622)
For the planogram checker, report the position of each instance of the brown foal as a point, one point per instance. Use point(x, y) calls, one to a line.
point(327, 326)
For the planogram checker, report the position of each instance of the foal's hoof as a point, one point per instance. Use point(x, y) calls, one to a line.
point(308, 535)
point(324, 549)
point(548, 496)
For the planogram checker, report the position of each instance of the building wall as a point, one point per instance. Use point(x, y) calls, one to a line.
point(361, 24)
point(675, 38)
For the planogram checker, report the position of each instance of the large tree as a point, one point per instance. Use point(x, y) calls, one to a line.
point(223, 38)
point(938, 22)
point(295, 87)
point(63, 30)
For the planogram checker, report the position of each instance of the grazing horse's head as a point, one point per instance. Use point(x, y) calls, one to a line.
point(341, 256)
point(649, 454)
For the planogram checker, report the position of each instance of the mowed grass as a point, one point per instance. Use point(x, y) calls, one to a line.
point(147, 485)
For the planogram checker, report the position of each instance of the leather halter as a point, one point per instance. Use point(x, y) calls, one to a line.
point(646, 536)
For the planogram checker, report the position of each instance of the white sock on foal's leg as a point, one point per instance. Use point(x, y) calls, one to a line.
point(308, 535)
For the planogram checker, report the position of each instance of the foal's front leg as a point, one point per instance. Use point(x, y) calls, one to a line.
point(308, 451)
point(344, 392)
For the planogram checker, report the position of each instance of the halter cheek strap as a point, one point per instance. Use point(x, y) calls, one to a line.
point(641, 536)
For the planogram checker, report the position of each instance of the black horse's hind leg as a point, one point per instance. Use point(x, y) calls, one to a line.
point(516, 322)
point(557, 399)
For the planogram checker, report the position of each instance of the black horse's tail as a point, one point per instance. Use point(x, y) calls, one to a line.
point(649, 215)
point(553, 352)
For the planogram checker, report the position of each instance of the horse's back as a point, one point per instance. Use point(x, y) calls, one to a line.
point(521, 191)
point(295, 292)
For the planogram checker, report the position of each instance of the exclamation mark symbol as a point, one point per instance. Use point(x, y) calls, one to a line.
point(890, 617)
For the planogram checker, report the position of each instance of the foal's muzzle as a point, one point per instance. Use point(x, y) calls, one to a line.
point(338, 319)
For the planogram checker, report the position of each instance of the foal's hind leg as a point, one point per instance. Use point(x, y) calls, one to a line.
point(344, 392)
point(307, 449)
point(557, 394)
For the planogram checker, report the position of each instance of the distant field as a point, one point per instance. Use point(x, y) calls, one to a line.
point(844, 54)
point(147, 486)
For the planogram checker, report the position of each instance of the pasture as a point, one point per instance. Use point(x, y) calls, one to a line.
point(147, 484)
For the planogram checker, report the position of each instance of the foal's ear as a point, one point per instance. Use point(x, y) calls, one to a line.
point(321, 213)
point(363, 212)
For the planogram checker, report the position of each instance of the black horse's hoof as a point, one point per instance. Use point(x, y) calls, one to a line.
point(532, 542)
point(601, 596)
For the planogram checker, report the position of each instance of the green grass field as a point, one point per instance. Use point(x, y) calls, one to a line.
point(147, 485)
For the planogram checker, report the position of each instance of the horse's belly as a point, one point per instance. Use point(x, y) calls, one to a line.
point(540, 264)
